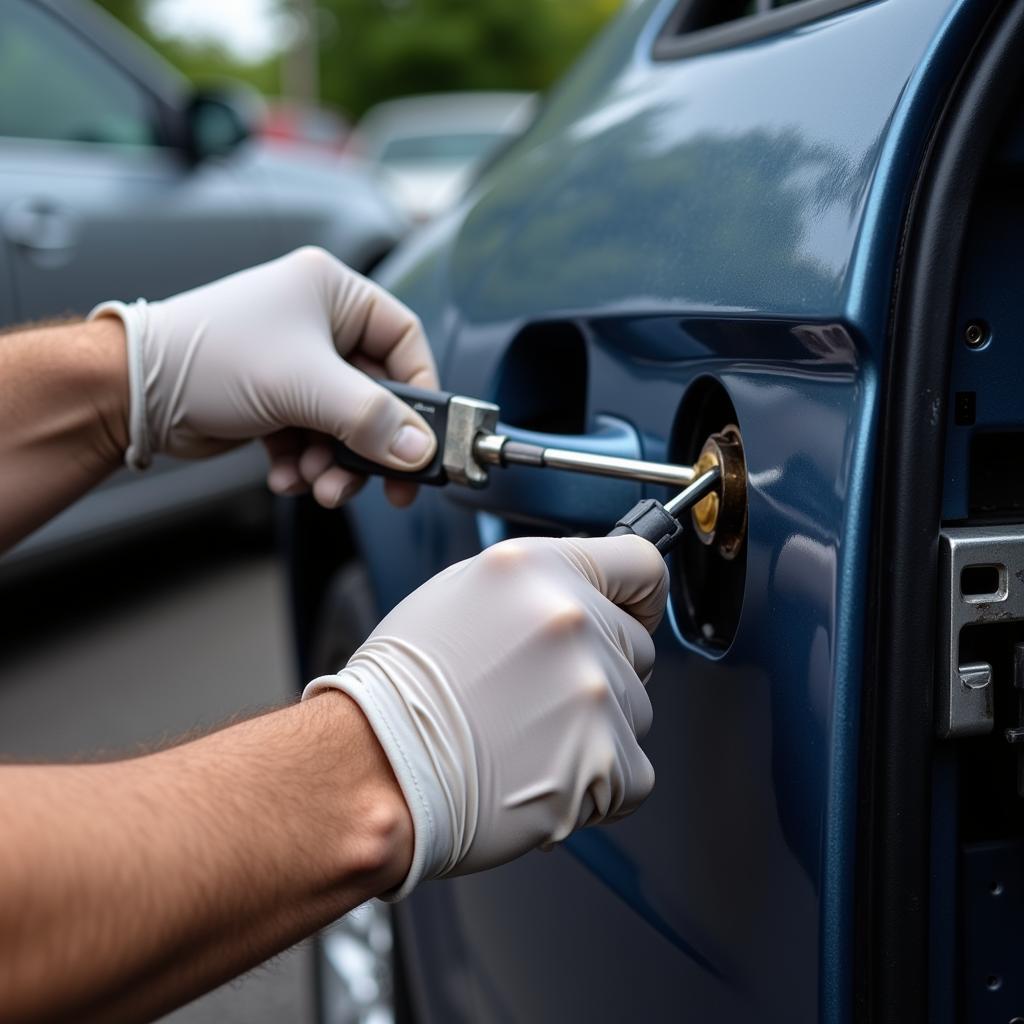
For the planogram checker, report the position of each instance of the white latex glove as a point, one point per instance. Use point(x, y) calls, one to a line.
point(271, 349)
point(508, 694)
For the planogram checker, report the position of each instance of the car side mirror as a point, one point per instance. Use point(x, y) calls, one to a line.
point(218, 121)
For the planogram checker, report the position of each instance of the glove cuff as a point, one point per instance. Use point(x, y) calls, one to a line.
point(396, 731)
point(139, 453)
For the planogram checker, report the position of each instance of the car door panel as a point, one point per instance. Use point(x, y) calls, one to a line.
point(749, 720)
point(734, 216)
point(8, 307)
point(135, 223)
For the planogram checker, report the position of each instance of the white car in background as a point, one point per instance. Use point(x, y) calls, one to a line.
point(426, 148)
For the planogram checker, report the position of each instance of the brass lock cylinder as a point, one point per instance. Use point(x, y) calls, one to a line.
point(709, 567)
point(720, 519)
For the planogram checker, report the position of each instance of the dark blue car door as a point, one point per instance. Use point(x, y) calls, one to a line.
point(706, 226)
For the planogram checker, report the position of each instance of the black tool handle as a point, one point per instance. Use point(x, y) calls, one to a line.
point(650, 520)
point(433, 407)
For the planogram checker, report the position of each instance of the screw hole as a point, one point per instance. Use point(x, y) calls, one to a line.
point(976, 334)
point(996, 888)
point(993, 983)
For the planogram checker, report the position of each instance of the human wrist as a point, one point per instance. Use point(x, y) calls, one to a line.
point(104, 372)
point(355, 781)
point(427, 795)
point(131, 320)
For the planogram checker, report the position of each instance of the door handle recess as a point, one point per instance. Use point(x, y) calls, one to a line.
point(557, 498)
point(40, 226)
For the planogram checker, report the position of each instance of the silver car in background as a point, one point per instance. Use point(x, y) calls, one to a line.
point(427, 148)
point(118, 180)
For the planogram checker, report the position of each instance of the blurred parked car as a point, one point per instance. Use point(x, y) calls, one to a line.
point(807, 222)
point(426, 148)
point(118, 181)
point(293, 124)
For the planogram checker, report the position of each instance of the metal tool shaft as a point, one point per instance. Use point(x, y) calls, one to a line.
point(497, 450)
point(700, 488)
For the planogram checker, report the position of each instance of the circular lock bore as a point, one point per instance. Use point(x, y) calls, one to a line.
point(721, 518)
point(709, 566)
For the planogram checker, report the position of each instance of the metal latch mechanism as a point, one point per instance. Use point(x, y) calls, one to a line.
point(981, 583)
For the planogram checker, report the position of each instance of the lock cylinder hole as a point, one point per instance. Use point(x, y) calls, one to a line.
point(709, 566)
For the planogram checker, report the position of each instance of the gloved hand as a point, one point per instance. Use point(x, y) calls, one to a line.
point(271, 349)
point(508, 694)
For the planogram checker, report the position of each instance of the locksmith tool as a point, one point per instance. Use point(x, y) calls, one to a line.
point(470, 441)
point(660, 523)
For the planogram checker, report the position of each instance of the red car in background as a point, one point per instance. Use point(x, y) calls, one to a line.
point(294, 124)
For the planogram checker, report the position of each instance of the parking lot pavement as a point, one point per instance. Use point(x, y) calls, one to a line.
point(139, 646)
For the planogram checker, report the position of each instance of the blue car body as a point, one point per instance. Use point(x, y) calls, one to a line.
point(741, 203)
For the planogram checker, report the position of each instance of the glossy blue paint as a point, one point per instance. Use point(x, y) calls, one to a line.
point(600, 855)
point(736, 214)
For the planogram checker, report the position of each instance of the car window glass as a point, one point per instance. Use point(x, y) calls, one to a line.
point(56, 86)
point(441, 148)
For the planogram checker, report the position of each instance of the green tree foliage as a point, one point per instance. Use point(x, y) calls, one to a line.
point(130, 13)
point(377, 49)
point(371, 50)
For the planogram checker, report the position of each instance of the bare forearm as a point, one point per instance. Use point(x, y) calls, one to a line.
point(63, 418)
point(141, 884)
